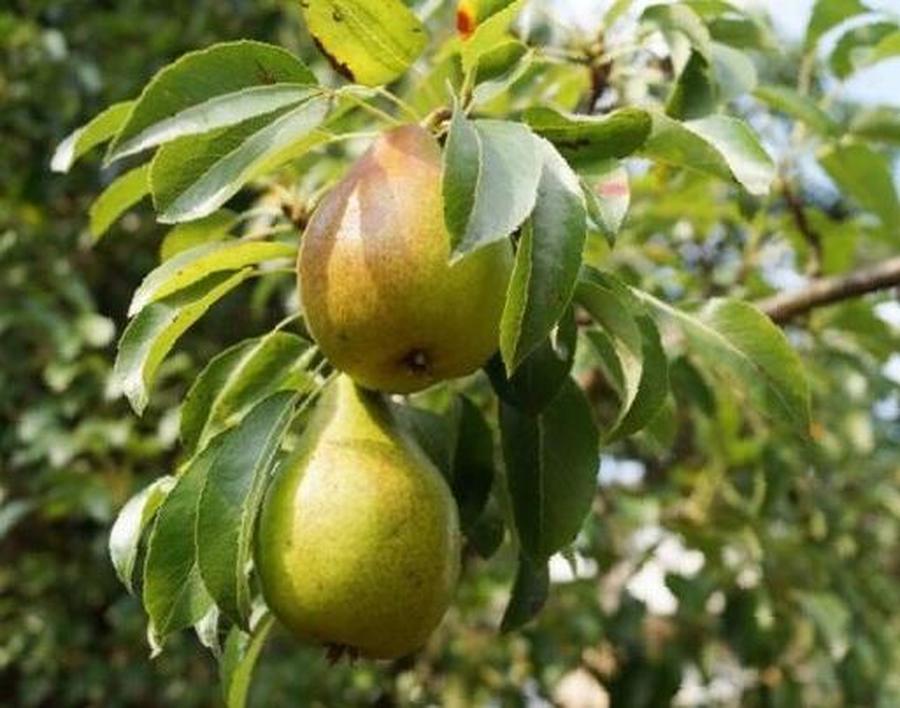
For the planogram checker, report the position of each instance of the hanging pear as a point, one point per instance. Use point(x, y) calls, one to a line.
point(379, 293)
point(358, 544)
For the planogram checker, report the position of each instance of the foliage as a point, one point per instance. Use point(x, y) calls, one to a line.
point(753, 549)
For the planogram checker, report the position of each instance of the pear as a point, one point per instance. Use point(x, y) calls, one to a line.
point(358, 544)
point(380, 295)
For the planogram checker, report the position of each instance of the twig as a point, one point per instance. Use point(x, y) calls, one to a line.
point(810, 235)
point(826, 291)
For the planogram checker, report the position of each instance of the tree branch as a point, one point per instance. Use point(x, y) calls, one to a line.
point(810, 235)
point(826, 291)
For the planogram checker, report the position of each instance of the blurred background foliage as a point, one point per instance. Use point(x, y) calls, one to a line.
point(727, 563)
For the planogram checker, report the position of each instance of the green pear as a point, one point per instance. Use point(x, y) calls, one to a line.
point(380, 295)
point(358, 544)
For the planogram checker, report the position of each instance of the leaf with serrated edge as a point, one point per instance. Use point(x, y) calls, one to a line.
point(230, 500)
point(720, 146)
point(125, 536)
point(607, 308)
point(226, 68)
point(209, 229)
point(97, 131)
point(196, 263)
point(607, 195)
point(122, 194)
point(371, 42)
point(750, 164)
point(735, 338)
point(149, 336)
point(634, 360)
point(551, 470)
point(461, 174)
point(864, 174)
point(240, 377)
point(174, 594)
point(218, 112)
point(264, 149)
point(547, 260)
point(796, 105)
point(588, 141)
point(505, 191)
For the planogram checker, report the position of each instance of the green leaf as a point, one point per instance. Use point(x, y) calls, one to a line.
point(744, 33)
point(735, 73)
point(149, 336)
point(461, 173)
point(683, 30)
point(620, 341)
point(881, 123)
point(206, 89)
point(230, 502)
point(586, 141)
point(197, 263)
point(96, 132)
point(122, 194)
point(209, 229)
point(498, 61)
point(488, 533)
point(490, 182)
point(239, 659)
point(13, 513)
point(547, 260)
point(654, 385)
point(542, 373)
point(431, 431)
point(125, 536)
point(488, 35)
point(431, 90)
point(736, 339)
point(887, 48)
point(694, 92)
point(862, 46)
point(718, 145)
point(219, 112)
point(174, 594)
point(472, 473)
point(607, 196)
point(796, 105)
point(617, 9)
point(207, 631)
point(529, 595)
point(551, 470)
point(239, 378)
point(497, 80)
point(865, 176)
point(479, 11)
point(220, 163)
point(827, 14)
point(371, 42)
point(630, 350)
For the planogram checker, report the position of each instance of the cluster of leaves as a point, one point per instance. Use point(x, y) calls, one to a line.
point(716, 408)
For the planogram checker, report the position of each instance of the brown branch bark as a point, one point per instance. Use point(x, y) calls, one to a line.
point(810, 235)
point(826, 291)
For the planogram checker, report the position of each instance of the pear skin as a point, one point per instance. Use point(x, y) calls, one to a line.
point(358, 544)
point(378, 291)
